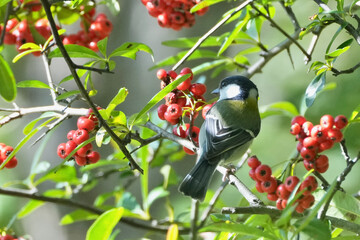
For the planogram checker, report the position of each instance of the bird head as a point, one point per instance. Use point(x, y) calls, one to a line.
point(237, 88)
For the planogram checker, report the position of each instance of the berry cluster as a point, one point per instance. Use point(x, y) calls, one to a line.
point(18, 33)
point(186, 100)
point(93, 30)
point(84, 155)
point(5, 151)
point(10, 237)
point(314, 139)
point(173, 14)
point(280, 191)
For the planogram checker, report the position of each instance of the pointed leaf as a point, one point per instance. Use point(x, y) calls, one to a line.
point(32, 84)
point(102, 45)
point(314, 87)
point(156, 193)
point(22, 54)
point(130, 49)
point(279, 108)
point(103, 226)
point(67, 94)
point(75, 51)
point(118, 99)
point(173, 232)
point(76, 216)
point(7, 81)
point(317, 229)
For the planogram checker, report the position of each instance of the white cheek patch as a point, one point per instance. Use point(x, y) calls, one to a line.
point(230, 91)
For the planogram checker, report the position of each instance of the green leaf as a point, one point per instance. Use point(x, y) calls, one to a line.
point(7, 81)
point(114, 6)
point(103, 226)
point(336, 53)
point(118, 99)
point(170, 176)
point(159, 96)
point(208, 66)
point(102, 45)
point(197, 54)
point(317, 229)
point(23, 54)
point(66, 16)
point(238, 228)
point(3, 2)
point(316, 85)
point(63, 174)
point(76, 216)
point(203, 4)
point(30, 126)
point(130, 49)
point(75, 51)
point(32, 84)
point(348, 206)
point(67, 94)
point(156, 193)
point(212, 41)
point(279, 108)
point(173, 232)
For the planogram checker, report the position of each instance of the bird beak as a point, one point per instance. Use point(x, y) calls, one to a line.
point(216, 91)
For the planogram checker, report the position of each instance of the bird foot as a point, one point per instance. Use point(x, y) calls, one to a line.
point(230, 170)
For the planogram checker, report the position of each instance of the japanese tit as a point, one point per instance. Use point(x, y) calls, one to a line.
point(229, 128)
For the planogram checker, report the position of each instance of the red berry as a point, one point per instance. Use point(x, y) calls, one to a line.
point(70, 134)
point(93, 157)
point(80, 136)
point(307, 201)
point(282, 192)
point(327, 121)
point(188, 151)
point(279, 204)
point(70, 146)
point(187, 71)
point(291, 182)
point(310, 143)
point(161, 74)
point(308, 165)
point(11, 163)
point(299, 209)
point(161, 111)
point(194, 133)
point(5, 152)
point(179, 131)
point(295, 129)
point(85, 123)
point(319, 133)
point(253, 175)
point(322, 169)
point(299, 120)
point(309, 184)
point(258, 187)
point(263, 172)
point(172, 74)
point(307, 126)
point(170, 120)
point(321, 161)
point(85, 150)
point(270, 185)
point(272, 197)
point(335, 134)
point(174, 111)
point(198, 89)
point(61, 150)
point(184, 85)
point(253, 162)
point(81, 161)
point(340, 121)
point(307, 154)
point(325, 145)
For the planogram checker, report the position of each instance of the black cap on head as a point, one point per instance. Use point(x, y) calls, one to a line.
point(245, 83)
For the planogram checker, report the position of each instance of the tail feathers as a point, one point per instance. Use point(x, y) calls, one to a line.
point(195, 184)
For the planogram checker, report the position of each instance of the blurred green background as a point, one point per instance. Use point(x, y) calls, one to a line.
point(278, 81)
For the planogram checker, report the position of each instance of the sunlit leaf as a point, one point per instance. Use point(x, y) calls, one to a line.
point(173, 232)
point(67, 94)
point(75, 51)
point(103, 226)
point(7, 81)
point(130, 49)
point(102, 45)
point(76, 216)
point(32, 84)
point(279, 108)
point(316, 85)
point(118, 99)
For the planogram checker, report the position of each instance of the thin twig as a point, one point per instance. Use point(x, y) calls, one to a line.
point(85, 95)
point(211, 31)
point(194, 217)
point(242, 188)
point(148, 225)
point(49, 78)
point(310, 50)
point(346, 71)
point(6, 18)
point(291, 15)
point(273, 23)
point(98, 70)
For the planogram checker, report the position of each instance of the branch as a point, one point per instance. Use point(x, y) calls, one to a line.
point(211, 31)
point(98, 70)
point(49, 78)
point(275, 213)
point(6, 18)
point(273, 23)
point(245, 191)
point(346, 71)
point(20, 112)
point(194, 217)
point(148, 225)
point(350, 28)
point(292, 16)
point(85, 95)
point(182, 141)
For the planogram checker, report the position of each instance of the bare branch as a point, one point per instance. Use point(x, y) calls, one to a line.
point(211, 31)
point(346, 71)
point(292, 16)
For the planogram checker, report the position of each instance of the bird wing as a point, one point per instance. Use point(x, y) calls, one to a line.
point(220, 139)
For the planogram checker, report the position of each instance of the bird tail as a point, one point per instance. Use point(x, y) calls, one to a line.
point(195, 184)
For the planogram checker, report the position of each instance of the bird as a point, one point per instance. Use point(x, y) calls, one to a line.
point(228, 130)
